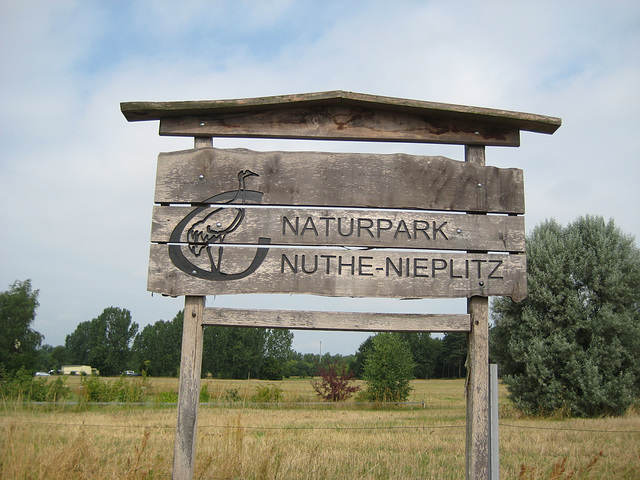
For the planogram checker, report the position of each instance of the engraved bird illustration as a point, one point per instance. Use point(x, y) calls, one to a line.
point(219, 223)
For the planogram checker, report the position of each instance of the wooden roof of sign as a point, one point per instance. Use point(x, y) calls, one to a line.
point(340, 115)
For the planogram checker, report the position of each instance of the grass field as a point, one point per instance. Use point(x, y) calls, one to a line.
point(297, 440)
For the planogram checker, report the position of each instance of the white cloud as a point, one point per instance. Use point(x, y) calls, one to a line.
point(76, 180)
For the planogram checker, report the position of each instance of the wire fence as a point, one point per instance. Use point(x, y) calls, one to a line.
point(311, 427)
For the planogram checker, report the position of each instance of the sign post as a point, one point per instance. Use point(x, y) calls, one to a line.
point(235, 221)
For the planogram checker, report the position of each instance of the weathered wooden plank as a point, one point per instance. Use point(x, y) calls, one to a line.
point(138, 111)
point(342, 123)
point(477, 385)
point(477, 390)
point(176, 270)
point(339, 227)
point(184, 449)
point(336, 179)
point(344, 321)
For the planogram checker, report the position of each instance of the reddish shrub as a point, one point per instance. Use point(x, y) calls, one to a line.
point(335, 384)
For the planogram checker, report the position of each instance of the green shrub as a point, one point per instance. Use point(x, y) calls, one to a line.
point(120, 390)
point(21, 385)
point(232, 395)
point(388, 369)
point(205, 397)
point(267, 394)
point(95, 390)
point(167, 397)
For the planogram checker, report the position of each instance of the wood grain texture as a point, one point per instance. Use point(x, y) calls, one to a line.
point(477, 385)
point(342, 123)
point(340, 180)
point(184, 454)
point(340, 227)
point(138, 111)
point(343, 321)
point(477, 390)
point(337, 273)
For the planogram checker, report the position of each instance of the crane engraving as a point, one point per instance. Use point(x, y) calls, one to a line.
point(206, 227)
point(215, 226)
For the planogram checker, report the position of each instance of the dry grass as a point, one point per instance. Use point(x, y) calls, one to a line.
point(307, 441)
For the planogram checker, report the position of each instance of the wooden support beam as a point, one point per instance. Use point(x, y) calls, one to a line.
point(477, 386)
point(477, 390)
point(345, 321)
point(341, 123)
point(184, 453)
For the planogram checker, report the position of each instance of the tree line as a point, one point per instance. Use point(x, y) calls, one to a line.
point(572, 345)
point(113, 343)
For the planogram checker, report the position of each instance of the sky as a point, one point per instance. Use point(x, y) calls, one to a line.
point(77, 180)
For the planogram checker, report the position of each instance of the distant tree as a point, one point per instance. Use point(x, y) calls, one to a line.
point(452, 356)
point(239, 352)
point(104, 342)
point(300, 365)
point(388, 369)
point(271, 369)
point(44, 358)
point(78, 344)
point(233, 352)
point(425, 351)
point(574, 342)
point(298, 368)
point(18, 341)
point(358, 362)
point(59, 356)
point(156, 349)
point(121, 331)
point(278, 344)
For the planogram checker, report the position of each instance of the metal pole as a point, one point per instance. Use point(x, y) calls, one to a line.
point(494, 444)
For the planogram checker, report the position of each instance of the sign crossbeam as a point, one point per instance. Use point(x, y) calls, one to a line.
point(338, 321)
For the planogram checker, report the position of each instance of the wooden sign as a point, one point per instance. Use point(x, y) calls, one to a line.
point(241, 215)
point(337, 224)
point(334, 272)
point(338, 180)
point(346, 227)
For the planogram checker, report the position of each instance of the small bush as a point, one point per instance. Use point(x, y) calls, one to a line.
point(120, 390)
point(336, 384)
point(23, 386)
point(267, 394)
point(204, 394)
point(95, 390)
point(232, 395)
point(57, 390)
point(167, 397)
